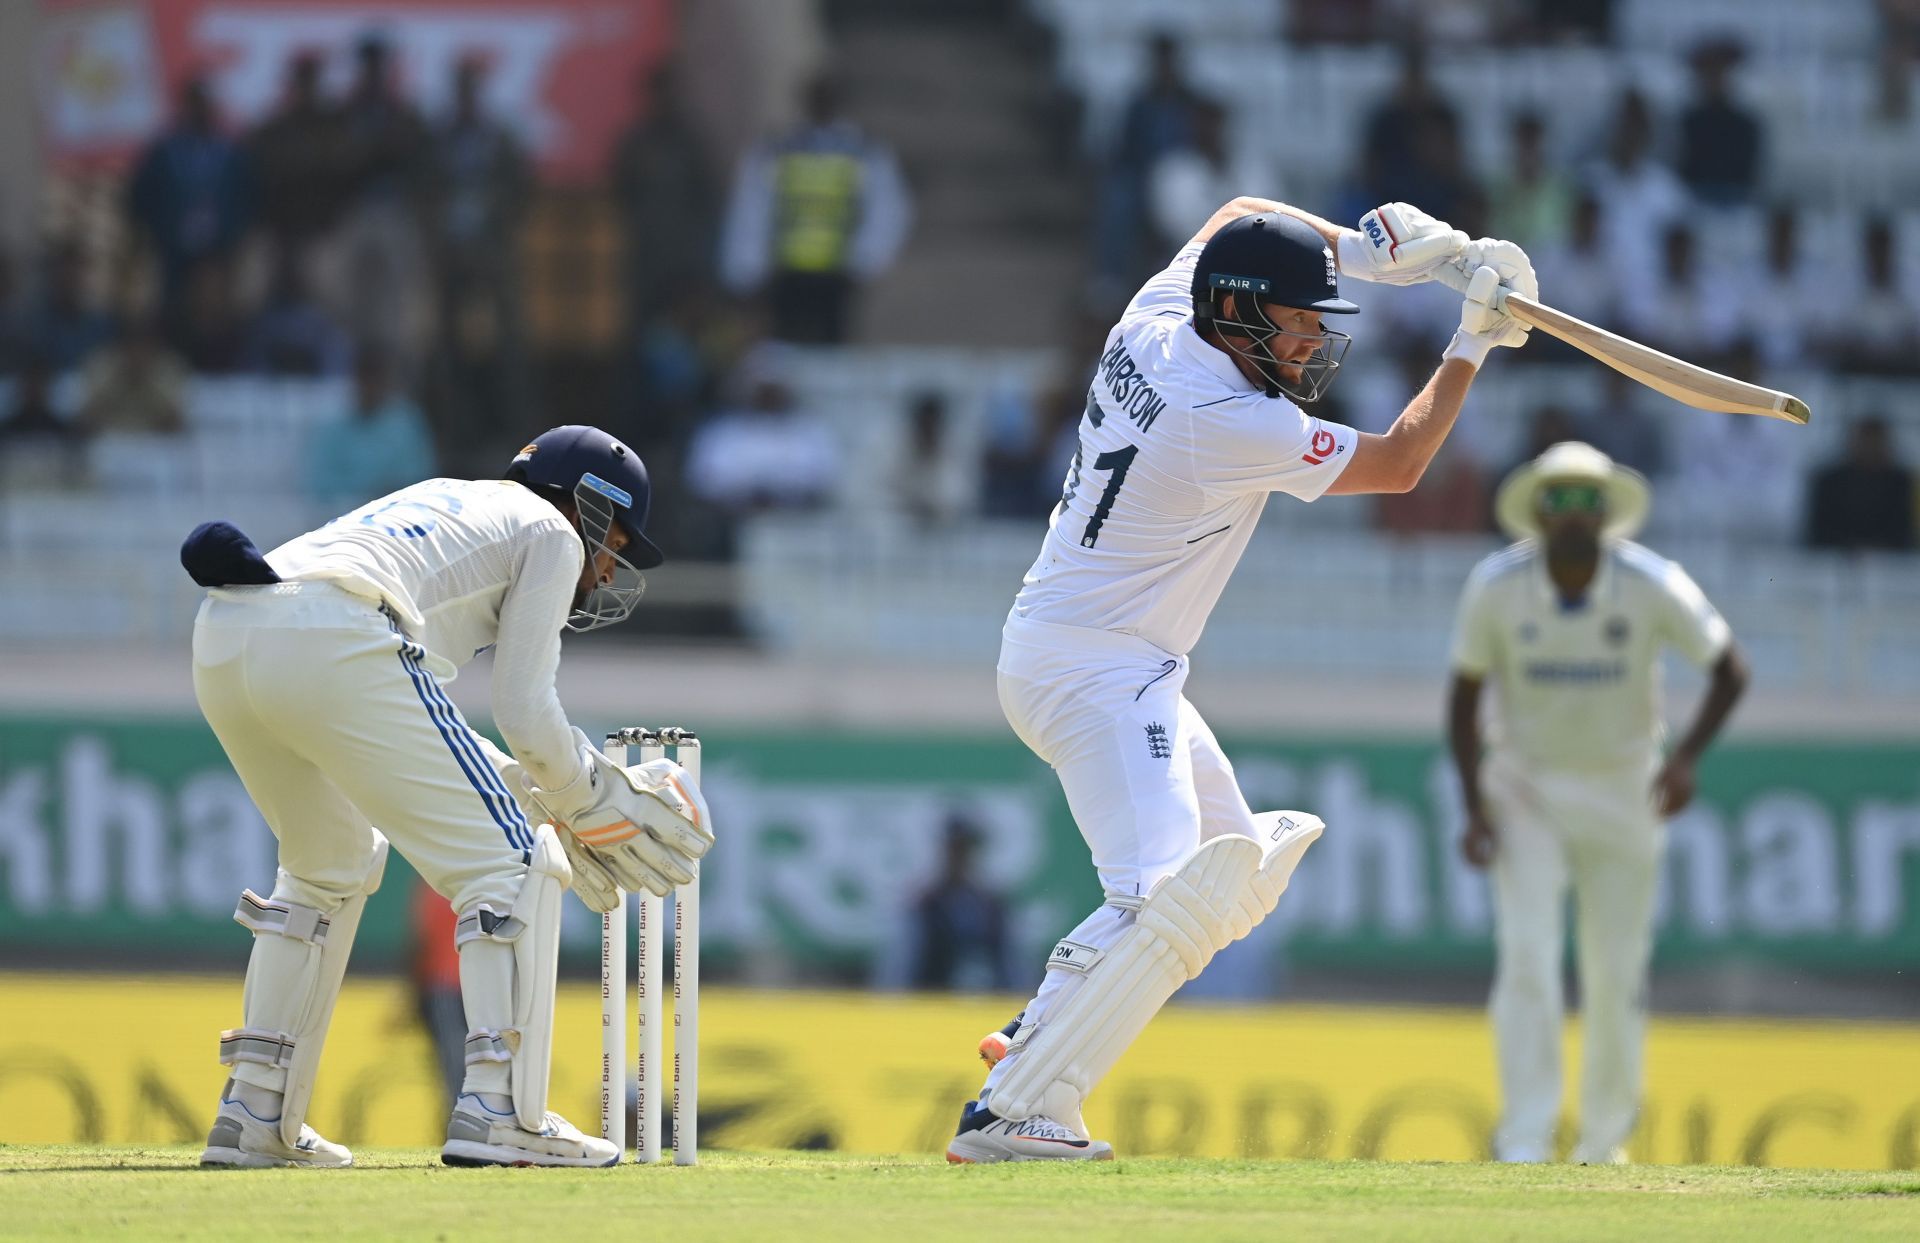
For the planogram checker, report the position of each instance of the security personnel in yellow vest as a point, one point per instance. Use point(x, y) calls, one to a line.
point(813, 215)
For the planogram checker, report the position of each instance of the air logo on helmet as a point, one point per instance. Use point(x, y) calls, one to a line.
point(1252, 284)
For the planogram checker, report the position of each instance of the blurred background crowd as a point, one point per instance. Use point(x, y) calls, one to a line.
point(876, 291)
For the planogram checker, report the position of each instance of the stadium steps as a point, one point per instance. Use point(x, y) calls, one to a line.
point(966, 98)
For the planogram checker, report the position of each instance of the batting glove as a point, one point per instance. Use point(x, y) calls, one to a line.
point(1398, 244)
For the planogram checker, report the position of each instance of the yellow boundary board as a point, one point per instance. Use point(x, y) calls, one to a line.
point(130, 1059)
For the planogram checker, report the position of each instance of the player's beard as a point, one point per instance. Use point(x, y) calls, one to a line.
point(1314, 373)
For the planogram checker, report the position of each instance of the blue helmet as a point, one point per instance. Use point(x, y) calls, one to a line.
point(1265, 258)
point(607, 483)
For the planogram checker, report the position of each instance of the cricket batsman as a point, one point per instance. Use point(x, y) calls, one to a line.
point(1570, 623)
point(321, 665)
point(1191, 421)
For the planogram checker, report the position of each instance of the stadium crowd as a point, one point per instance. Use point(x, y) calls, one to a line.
point(350, 241)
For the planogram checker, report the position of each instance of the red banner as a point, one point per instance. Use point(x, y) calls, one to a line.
point(563, 72)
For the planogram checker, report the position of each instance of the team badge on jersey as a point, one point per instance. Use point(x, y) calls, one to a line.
point(1159, 747)
point(1617, 631)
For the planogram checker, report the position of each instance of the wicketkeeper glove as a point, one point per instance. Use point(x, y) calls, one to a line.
point(646, 826)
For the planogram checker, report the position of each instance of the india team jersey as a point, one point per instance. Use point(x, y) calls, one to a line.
point(1177, 455)
point(1579, 687)
point(464, 565)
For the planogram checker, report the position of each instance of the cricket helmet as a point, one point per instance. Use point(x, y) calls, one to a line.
point(1265, 258)
point(607, 483)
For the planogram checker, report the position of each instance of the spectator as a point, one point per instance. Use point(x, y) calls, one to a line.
point(933, 480)
point(1865, 499)
point(813, 215)
point(381, 445)
point(1689, 312)
point(208, 331)
point(136, 385)
point(1790, 306)
point(669, 198)
point(1721, 142)
point(1578, 272)
point(476, 187)
point(1740, 478)
point(64, 328)
point(292, 334)
point(380, 246)
point(300, 156)
point(1624, 429)
point(1189, 183)
point(1411, 146)
point(37, 444)
point(1533, 205)
point(960, 926)
point(1030, 443)
point(1882, 330)
point(191, 193)
point(1159, 118)
point(1638, 196)
point(766, 455)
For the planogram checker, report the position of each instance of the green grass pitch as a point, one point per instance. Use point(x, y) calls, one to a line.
point(71, 1193)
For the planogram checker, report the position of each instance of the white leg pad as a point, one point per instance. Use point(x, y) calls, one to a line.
point(293, 978)
point(1224, 888)
point(508, 964)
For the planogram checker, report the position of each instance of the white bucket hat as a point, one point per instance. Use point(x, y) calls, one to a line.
point(1628, 498)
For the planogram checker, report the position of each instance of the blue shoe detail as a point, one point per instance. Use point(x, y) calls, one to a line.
point(975, 1115)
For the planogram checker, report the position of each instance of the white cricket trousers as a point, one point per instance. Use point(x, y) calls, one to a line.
point(333, 723)
point(1599, 834)
point(1143, 774)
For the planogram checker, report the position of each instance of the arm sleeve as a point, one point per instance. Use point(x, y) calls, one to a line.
point(1256, 444)
point(1171, 291)
point(1689, 621)
point(1474, 638)
point(526, 658)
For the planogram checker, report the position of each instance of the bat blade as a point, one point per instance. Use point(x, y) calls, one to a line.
point(1663, 373)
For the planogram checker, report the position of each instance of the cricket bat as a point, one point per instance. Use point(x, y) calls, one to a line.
point(1663, 373)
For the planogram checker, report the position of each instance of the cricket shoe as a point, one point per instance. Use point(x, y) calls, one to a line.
point(480, 1134)
point(984, 1139)
point(242, 1138)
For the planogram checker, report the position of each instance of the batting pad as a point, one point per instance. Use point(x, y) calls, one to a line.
point(293, 978)
point(507, 969)
point(1224, 888)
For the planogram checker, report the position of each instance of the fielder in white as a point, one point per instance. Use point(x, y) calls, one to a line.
point(1570, 624)
point(320, 667)
point(1190, 423)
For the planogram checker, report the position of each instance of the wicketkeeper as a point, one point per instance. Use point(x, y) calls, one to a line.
point(320, 667)
point(1570, 624)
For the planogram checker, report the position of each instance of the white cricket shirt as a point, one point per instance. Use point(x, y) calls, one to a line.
point(464, 565)
point(1579, 686)
point(1177, 455)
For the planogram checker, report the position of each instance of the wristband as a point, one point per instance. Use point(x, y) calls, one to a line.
point(1468, 347)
